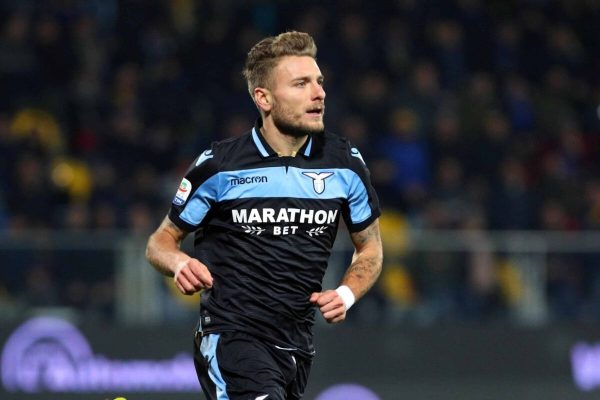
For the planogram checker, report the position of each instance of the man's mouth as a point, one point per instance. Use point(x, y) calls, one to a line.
point(316, 111)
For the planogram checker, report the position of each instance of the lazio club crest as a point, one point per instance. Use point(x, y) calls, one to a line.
point(318, 180)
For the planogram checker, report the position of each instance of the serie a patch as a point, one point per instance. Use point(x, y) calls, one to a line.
point(185, 187)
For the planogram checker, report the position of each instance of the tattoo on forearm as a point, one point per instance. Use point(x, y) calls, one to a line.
point(367, 262)
point(365, 270)
point(362, 237)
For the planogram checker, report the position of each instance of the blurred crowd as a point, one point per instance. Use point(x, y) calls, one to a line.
point(471, 114)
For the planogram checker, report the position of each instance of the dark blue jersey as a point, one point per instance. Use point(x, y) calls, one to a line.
point(265, 226)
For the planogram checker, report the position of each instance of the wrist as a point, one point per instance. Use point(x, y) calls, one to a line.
point(178, 267)
point(347, 296)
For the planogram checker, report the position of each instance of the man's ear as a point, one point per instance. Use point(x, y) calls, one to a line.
point(263, 99)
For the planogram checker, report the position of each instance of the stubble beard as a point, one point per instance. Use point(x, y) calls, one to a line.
point(291, 128)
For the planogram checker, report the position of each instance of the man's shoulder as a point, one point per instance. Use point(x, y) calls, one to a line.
point(333, 139)
point(232, 143)
point(332, 144)
point(211, 160)
point(337, 147)
point(229, 149)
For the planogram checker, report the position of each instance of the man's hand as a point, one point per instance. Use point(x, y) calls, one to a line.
point(192, 276)
point(330, 304)
point(164, 253)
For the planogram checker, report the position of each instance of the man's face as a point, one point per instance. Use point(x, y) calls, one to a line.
point(298, 96)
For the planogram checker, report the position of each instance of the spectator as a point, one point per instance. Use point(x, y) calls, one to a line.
point(469, 115)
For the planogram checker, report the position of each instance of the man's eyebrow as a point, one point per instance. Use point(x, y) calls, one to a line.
point(307, 78)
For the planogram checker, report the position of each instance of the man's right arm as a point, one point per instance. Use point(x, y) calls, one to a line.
point(164, 253)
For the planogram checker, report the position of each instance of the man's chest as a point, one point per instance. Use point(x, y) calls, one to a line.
point(282, 201)
point(282, 182)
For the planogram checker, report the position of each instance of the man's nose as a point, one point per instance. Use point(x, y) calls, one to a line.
point(318, 92)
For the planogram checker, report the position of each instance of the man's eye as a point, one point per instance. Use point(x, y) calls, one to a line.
point(301, 84)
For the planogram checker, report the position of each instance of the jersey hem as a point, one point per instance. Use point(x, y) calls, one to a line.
point(181, 224)
point(362, 225)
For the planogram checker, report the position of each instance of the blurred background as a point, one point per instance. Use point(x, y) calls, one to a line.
point(479, 120)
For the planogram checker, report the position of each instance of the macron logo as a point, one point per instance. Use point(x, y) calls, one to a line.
point(250, 179)
point(204, 156)
point(355, 153)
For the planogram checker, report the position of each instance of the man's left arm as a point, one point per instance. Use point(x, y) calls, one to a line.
point(359, 278)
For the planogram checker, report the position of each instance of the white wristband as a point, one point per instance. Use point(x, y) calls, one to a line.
point(347, 296)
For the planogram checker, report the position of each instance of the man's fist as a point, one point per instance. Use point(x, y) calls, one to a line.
point(330, 304)
point(192, 276)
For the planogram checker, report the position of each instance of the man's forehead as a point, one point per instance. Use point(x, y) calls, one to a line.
point(290, 67)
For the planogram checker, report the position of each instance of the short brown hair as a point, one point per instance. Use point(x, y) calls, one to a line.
point(264, 55)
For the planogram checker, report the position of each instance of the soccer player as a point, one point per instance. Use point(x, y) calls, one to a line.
point(265, 209)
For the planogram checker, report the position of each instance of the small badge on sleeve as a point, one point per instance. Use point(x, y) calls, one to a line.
point(185, 187)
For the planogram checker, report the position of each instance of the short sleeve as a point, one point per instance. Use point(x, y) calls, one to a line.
point(197, 192)
point(362, 206)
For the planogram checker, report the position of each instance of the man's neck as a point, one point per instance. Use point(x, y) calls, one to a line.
point(284, 145)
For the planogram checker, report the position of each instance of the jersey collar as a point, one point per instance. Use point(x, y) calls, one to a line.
point(266, 151)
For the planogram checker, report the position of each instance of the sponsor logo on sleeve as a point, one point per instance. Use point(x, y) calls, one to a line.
point(185, 187)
